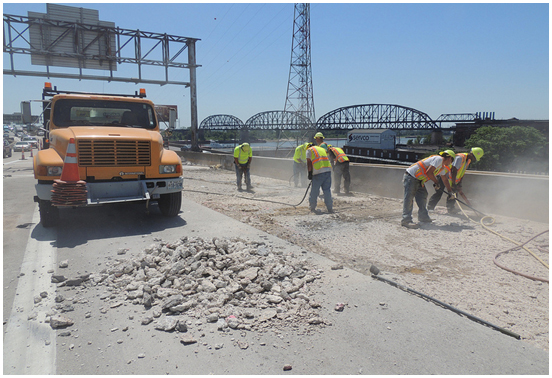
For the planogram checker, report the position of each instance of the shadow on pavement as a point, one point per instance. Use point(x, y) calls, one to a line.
point(80, 225)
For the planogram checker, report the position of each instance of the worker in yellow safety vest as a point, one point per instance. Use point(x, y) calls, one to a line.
point(320, 172)
point(300, 165)
point(414, 180)
point(457, 171)
point(319, 138)
point(242, 161)
point(340, 165)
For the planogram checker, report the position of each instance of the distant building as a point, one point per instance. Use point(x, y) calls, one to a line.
point(17, 118)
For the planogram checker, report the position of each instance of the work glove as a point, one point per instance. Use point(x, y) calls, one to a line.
point(437, 187)
point(310, 175)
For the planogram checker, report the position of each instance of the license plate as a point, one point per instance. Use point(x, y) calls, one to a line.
point(174, 184)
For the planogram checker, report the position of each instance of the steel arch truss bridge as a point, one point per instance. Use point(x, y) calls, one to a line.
point(376, 116)
point(221, 122)
point(278, 120)
point(271, 120)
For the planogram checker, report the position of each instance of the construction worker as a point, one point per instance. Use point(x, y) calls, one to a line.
point(242, 160)
point(320, 172)
point(457, 170)
point(340, 165)
point(300, 165)
point(319, 138)
point(414, 181)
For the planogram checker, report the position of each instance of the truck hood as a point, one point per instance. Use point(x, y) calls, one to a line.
point(107, 132)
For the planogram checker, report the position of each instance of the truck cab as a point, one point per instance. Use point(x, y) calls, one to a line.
point(106, 147)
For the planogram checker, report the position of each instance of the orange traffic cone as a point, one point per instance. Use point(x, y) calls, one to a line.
point(69, 190)
point(70, 171)
point(22, 153)
point(31, 151)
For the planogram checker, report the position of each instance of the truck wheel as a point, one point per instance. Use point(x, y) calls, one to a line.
point(49, 215)
point(170, 203)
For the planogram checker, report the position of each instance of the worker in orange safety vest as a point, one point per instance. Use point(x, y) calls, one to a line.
point(340, 165)
point(414, 180)
point(457, 171)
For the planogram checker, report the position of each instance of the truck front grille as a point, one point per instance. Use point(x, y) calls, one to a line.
point(112, 153)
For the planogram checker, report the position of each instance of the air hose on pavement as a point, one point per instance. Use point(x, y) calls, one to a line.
point(490, 222)
point(250, 198)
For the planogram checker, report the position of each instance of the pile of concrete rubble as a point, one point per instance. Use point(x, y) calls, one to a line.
point(233, 283)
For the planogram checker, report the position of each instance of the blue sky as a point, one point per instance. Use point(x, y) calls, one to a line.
point(436, 58)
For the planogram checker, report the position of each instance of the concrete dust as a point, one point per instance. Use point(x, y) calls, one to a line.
point(450, 259)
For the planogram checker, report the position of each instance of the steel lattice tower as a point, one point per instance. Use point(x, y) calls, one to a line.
point(299, 96)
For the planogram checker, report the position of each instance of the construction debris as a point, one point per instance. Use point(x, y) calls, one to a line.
point(231, 283)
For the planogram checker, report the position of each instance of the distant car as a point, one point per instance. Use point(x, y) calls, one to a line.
point(185, 148)
point(7, 149)
point(22, 146)
point(32, 141)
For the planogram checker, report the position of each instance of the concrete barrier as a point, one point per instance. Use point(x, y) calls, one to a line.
point(514, 195)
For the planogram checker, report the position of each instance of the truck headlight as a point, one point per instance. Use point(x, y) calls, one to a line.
point(167, 169)
point(54, 171)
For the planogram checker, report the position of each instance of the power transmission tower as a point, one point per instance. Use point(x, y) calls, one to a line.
point(299, 96)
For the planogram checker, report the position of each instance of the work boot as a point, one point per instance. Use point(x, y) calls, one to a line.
point(410, 224)
point(425, 220)
point(240, 188)
point(331, 211)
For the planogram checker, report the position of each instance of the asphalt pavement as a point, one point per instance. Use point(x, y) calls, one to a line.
point(381, 330)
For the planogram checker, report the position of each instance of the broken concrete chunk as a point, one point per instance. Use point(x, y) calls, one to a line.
point(59, 321)
point(187, 339)
point(166, 323)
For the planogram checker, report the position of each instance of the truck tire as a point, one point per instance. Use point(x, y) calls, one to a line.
point(170, 203)
point(49, 215)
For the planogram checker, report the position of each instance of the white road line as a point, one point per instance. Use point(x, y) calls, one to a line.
point(30, 343)
point(14, 161)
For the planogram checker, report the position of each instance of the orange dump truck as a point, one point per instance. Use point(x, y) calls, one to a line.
point(102, 149)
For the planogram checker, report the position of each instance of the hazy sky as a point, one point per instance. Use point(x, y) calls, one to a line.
point(436, 58)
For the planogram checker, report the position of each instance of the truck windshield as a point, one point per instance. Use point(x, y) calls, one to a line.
point(82, 112)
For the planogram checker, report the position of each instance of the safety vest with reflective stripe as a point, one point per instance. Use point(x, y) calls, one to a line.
point(421, 172)
point(319, 158)
point(300, 155)
point(339, 154)
point(243, 157)
point(462, 171)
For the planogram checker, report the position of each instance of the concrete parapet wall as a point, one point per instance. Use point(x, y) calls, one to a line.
point(519, 196)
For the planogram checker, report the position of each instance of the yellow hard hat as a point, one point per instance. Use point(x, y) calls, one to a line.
point(319, 135)
point(245, 147)
point(449, 153)
point(477, 152)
